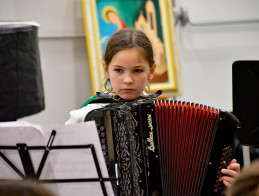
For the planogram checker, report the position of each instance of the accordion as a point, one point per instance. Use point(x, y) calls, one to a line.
point(165, 147)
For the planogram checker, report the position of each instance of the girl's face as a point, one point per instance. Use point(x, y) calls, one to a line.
point(129, 73)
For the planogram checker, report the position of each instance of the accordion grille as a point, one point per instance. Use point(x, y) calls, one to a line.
point(186, 133)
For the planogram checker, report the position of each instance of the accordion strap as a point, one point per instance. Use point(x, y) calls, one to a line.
point(118, 98)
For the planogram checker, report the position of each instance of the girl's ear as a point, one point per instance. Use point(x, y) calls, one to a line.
point(105, 68)
point(152, 72)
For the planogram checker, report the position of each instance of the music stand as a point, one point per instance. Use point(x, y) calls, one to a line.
point(55, 159)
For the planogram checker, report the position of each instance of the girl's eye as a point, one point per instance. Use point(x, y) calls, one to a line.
point(138, 70)
point(118, 70)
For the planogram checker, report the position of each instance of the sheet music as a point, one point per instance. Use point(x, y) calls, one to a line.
point(60, 164)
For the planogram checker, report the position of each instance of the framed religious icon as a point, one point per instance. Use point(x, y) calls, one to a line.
point(102, 18)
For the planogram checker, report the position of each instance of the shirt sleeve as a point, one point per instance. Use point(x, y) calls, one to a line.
point(78, 116)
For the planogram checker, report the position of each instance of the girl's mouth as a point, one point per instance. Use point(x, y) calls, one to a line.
point(128, 90)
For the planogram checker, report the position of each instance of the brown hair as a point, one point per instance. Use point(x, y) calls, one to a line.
point(126, 39)
point(23, 188)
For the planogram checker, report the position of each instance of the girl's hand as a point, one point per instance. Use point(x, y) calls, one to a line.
point(230, 173)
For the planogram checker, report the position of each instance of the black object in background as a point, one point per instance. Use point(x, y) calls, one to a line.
point(246, 100)
point(21, 86)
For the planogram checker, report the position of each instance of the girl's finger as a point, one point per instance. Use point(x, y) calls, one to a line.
point(229, 172)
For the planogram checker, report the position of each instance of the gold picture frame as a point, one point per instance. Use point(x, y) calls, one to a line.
point(154, 17)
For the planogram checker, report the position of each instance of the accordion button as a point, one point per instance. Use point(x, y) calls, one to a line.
point(102, 128)
point(103, 141)
point(104, 147)
point(102, 134)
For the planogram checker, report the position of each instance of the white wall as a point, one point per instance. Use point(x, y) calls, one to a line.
point(206, 53)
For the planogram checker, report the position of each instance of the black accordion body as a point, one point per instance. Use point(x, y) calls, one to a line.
point(162, 147)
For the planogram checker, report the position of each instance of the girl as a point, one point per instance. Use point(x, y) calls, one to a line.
point(129, 66)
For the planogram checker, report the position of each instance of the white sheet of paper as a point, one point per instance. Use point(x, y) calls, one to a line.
point(61, 163)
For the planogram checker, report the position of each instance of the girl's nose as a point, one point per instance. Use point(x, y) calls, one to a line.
point(127, 79)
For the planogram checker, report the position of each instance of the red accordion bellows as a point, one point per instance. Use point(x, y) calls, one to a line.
point(185, 133)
